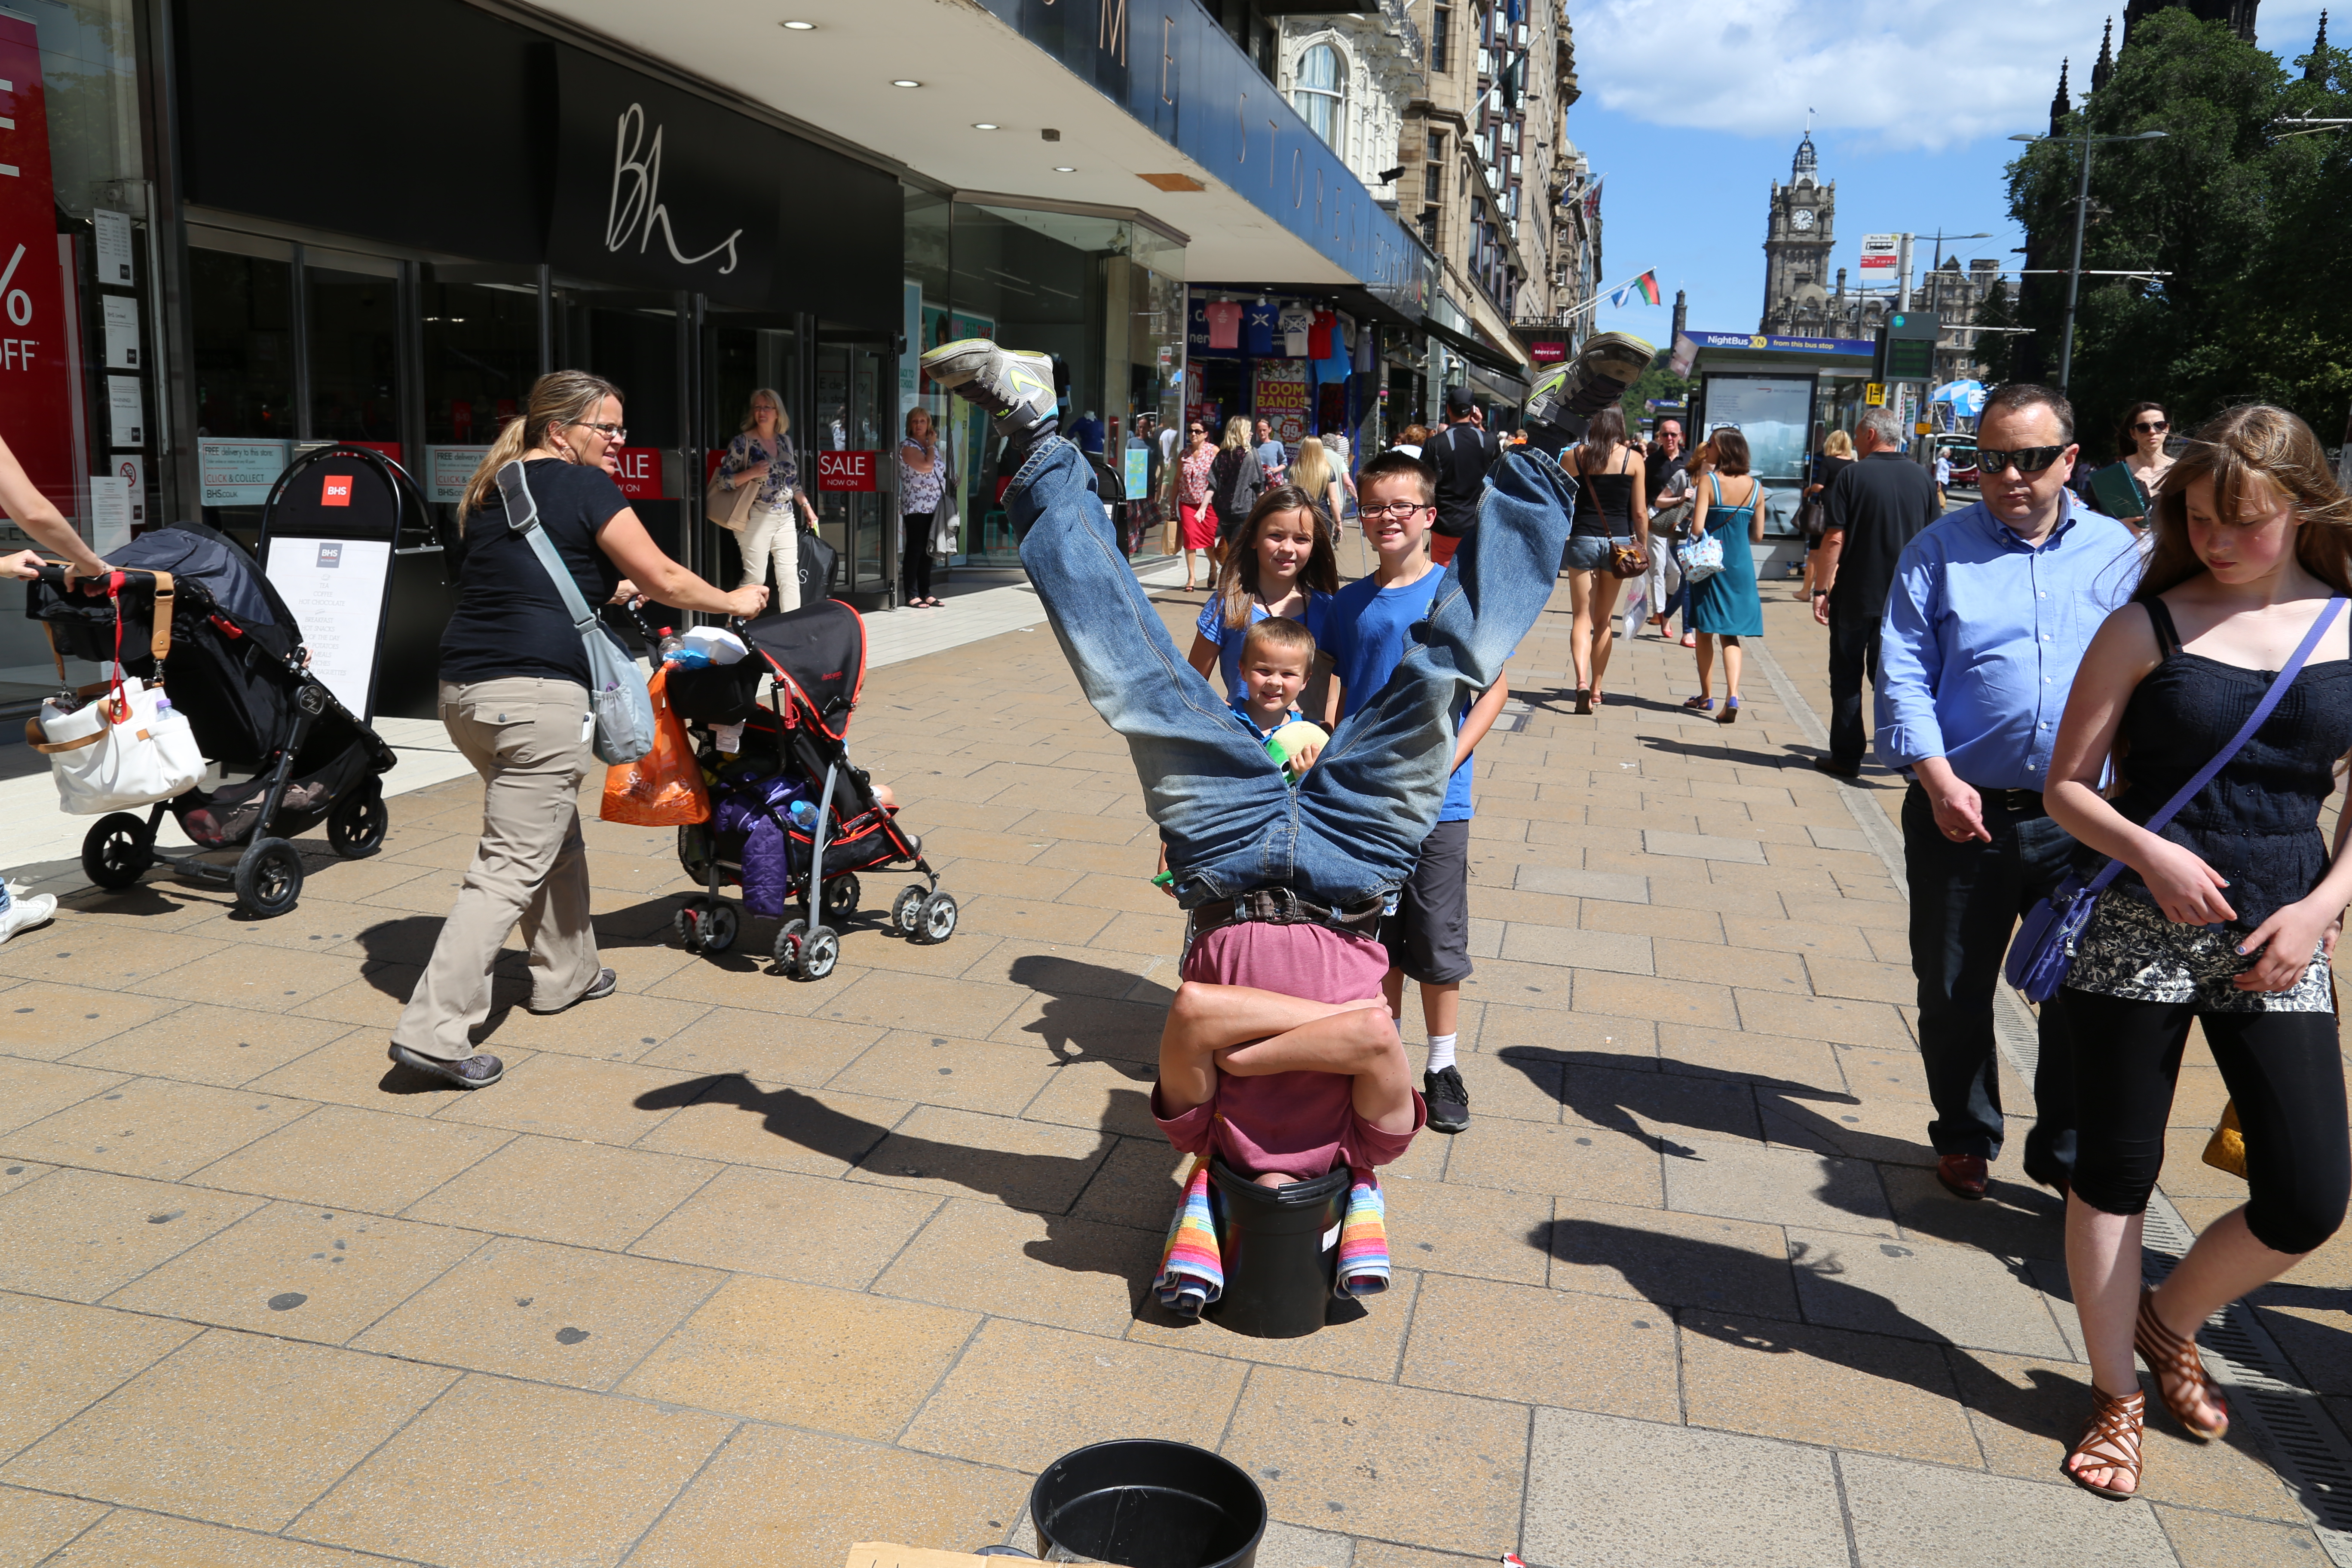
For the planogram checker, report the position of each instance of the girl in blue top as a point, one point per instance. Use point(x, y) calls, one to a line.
point(1281, 564)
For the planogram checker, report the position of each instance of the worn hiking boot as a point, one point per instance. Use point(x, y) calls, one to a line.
point(1016, 388)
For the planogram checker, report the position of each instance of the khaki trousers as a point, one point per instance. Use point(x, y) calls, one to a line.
point(530, 741)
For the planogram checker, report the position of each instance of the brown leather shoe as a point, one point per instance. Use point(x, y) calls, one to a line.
point(1963, 1175)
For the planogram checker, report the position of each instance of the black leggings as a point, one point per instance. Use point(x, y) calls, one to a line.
point(915, 556)
point(2285, 1072)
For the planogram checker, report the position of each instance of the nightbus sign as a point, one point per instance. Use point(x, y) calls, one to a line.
point(1171, 66)
point(1863, 346)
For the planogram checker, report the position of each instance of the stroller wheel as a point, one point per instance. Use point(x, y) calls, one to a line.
point(903, 908)
point(819, 952)
point(841, 895)
point(688, 923)
point(117, 848)
point(718, 928)
point(357, 827)
point(269, 877)
point(935, 919)
point(790, 938)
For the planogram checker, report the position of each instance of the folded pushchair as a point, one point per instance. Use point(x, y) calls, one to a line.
point(188, 608)
point(791, 799)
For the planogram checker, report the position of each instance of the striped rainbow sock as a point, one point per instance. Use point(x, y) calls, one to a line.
point(1191, 1267)
point(1363, 1240)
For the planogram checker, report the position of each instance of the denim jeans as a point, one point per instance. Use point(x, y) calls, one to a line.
point(1965, 899)
point(1352, 829)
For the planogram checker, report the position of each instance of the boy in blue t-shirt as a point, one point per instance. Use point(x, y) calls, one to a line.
point(1366, 632)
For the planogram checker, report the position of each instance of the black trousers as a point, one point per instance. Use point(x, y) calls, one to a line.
point(915, 556)
point(1854, 653)
point(2285, 1073)
point(1965, 899)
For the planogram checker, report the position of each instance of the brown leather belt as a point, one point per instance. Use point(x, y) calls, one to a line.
point(1280, 906)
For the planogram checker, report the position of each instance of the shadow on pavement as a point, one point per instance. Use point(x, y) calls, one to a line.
point(1095, 1013)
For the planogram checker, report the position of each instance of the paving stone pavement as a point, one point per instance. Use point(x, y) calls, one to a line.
point(734, 1269)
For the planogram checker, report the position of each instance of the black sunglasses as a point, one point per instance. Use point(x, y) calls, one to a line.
point(2146, 427)
point(2025, 459)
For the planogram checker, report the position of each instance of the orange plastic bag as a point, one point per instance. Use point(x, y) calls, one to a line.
point(664, 788)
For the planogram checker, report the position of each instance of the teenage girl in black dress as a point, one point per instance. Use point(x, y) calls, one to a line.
point(2229, 917)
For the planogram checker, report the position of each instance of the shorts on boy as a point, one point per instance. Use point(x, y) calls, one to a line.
point(1429, 935)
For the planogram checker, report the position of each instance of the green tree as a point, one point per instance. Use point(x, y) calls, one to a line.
point(1657, 384)
point(2244, 227)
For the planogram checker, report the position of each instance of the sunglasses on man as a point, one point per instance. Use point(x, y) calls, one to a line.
point(2025, 459)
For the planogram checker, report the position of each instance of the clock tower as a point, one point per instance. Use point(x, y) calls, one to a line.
point(1799, 234)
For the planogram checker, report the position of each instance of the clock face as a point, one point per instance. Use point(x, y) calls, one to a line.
point(1802, 219)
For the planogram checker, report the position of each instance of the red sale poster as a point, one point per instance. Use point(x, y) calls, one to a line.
point(36, 398)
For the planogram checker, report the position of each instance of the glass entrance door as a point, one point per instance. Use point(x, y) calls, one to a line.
point(854, 385)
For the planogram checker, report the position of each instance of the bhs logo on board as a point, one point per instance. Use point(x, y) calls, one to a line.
point(338, 492)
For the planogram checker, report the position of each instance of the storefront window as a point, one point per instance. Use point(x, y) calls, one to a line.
point(353, 322)
point(243, 310)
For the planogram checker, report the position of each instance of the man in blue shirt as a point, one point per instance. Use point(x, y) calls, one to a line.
point(1987, 619)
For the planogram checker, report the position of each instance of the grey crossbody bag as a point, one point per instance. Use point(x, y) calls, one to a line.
point(616, 687)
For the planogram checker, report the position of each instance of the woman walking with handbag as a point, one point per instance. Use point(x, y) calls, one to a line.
point(1196, 517)
point(1837, 453)
point(1610, 517)
point(2226, 911)
point(1725, 605)
point(922, 480)
point(761, 457)
point(515, 699)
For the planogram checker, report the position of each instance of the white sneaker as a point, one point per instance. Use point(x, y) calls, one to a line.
point(25, 913)
point(1014, 387)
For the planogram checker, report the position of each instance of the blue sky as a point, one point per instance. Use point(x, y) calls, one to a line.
point(1690, 121)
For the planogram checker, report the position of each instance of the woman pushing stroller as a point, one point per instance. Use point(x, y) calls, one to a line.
point(1278, 1051)
point(514, 697)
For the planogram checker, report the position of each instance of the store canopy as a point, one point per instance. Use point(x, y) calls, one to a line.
point(1476, 352)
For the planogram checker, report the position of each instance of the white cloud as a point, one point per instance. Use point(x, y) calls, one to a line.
point(1927, 75)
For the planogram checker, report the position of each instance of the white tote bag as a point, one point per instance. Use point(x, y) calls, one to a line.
point(121, 752)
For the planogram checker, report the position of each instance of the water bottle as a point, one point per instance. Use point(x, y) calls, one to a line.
point(803, 815)
point(669, 644)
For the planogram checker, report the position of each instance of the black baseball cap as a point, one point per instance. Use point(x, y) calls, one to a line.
point(1459, 400)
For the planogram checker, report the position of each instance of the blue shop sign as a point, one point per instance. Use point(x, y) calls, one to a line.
point(1863, 346)
point(1170, 65)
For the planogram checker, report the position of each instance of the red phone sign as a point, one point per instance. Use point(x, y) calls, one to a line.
point(639, 473)
point(36, 391)
point(845, 471)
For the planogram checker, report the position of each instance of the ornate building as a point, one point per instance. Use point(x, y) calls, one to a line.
point(1799, 232)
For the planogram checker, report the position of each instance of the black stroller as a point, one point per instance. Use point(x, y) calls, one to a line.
point(195, 612)
point(791, 799)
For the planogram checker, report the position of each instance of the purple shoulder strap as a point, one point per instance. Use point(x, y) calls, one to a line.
point(2263, 710)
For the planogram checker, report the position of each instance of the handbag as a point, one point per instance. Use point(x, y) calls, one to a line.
point(2226, 1150)
point(125, 751)
point(1699, 558)
point(1627, 561)
point(2043, 948)
point(730, 508)
point(617, 687)
point(817, 559)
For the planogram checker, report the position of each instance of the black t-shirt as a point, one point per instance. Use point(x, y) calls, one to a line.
point(1660, 470)
point(1461, 454)
point(510, 622)
point(1882, 502)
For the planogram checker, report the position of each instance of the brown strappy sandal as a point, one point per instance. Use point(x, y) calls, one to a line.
point(2176, 1362)
point(2110, 1441)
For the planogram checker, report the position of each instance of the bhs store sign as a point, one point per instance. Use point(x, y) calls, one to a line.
point(659, 189)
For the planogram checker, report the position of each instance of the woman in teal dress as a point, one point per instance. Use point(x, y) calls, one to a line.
point(1725, 607)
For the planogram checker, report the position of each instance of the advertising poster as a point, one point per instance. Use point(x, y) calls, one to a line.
point(1138, 471)
point(1775, 413)
point(1282, 398)
point(446, 469)
point(122, 316)
point(37, 391)
point(335, 588)
point(239, 473)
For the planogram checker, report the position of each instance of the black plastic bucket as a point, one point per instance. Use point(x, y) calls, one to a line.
point(1281, 1252)
point(1142, 1502)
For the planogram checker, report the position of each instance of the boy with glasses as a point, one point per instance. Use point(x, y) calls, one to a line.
point(1366, 632)
point(1276, 1052)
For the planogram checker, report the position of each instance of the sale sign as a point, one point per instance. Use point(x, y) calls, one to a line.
point(37, 400)
point(845, 471)
point(639, 473)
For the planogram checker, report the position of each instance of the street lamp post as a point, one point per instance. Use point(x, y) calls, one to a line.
point(2082, 212)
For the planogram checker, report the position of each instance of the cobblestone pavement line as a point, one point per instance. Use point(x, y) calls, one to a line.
point(734, 1269)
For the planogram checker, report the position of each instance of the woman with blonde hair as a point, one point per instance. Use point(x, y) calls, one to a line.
point(922, 480)
point(2224, 915)
point(1312, 471)
point(1836, 456)
point(514, 697)
point(1236, 480)
point(761, 456)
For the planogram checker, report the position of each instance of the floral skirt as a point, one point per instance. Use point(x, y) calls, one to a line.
point(2129, 950)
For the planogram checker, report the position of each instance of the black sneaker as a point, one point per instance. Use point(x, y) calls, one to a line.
point(1449, 1102)
point(474, 1072)
point(603, 987)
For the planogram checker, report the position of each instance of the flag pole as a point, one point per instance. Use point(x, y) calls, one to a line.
point(1601, 294)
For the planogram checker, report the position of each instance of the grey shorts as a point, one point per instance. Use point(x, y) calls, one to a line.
point(1429, 935)
point(2129, 950)
point(1589, 551)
